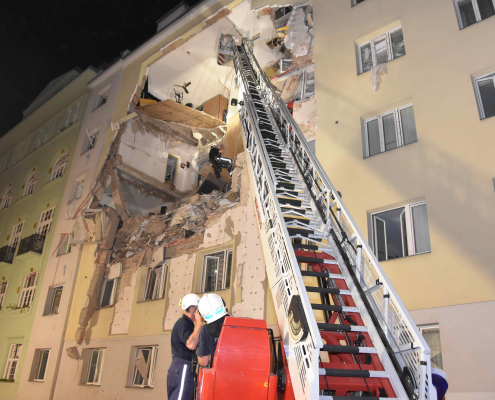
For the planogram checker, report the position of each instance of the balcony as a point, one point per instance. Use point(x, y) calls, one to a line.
point(31, 247)
point(7, 254)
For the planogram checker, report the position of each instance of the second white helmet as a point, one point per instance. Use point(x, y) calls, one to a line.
point(212, 307)
point(189, 300)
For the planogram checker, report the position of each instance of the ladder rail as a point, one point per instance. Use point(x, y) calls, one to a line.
point(393, 315)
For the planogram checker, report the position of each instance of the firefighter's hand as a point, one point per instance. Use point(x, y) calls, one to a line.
point(198, 318)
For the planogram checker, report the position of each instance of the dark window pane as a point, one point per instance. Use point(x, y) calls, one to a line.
point(43, 361)
point(467, 13)
point(404, 233)
point(389, 132)
point(107, 293)
point(92, 366)
point(487, 93)
point(229, 270)
point(486, 8)
point(56, 300)
point(381, 240)
point(408, 125)
point(366, 59)
point(392, 223)
point(211, 272)
point(373, 138)
point(398, 47)
point(359, 1)
point(381, 52)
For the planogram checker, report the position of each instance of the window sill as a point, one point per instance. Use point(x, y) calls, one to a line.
point(388, 151)
point(148, 301)
point(401, 258)
point(91, 384)
point(104, 308)
point(139, 387)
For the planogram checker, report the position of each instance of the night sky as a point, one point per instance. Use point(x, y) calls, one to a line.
point(41, 40)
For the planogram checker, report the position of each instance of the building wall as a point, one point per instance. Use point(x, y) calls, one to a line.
point(62, 270)
point(16, 325)
point(450, 166)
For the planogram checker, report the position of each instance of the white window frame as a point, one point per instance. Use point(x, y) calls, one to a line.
point(31, 183)
point(90, 140)
point(398, 129)
point(102, 98)
point(45, 222)
point(27, 292)
point(16, 235)
point(477, 13)
point(159, 288)
point(390, 52)
point(432, 326)
point(3, 292)
point(101, 355)
point(478, 94)
point(224, 270)
point(38, 367)
point(149, 380)
point(113, 295)
point(65, 245)
point(7, 198)
point(411, 245)
point(55, 290)
point(13, 356)
point(59, 168)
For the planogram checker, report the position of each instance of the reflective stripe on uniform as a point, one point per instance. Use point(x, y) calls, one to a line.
point(184, 370)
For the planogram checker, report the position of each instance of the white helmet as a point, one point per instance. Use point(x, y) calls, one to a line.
point(212, 307)
point(189, 300)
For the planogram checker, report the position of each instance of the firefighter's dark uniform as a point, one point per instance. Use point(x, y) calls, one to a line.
point(208, 338)
point(180, 377)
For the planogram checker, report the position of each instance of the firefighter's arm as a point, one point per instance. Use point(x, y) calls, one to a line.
point(192, 342)
point(204, 360)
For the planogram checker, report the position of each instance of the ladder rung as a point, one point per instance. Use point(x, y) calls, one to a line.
point(316, 289)
point(353, 373)
point(315, 260)
point(331, 307)
point(341, 328)
point(331, 348)
point(322, 274)
point(324, 397)
point(299, 246)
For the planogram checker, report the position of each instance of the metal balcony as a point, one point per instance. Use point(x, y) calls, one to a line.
point(7, 254)
point(31, 246)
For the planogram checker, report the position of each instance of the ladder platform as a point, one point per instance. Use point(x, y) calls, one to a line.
point(331, 348)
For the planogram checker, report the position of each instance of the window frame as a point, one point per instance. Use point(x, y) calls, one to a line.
point(59, 168)
point(16, 235)
point(113, 295)
point(411, 242)
point(476, 10)
point(90, 141)
point(432, 326)
point(45, 222)
point(55, 290)
point(31, 184)
point(225, 285)
point(7, 198)
point(371, 42)
point(3, 292)
point(65, 246)
point(101, 354)
point(39, 362)
point(102, 98)
point(27, 292)
point(399, 132)
point(152, 365)
point(160, 289)
point(14, 355)
point(479, 100)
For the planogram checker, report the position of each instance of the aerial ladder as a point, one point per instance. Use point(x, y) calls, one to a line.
point(367, 344)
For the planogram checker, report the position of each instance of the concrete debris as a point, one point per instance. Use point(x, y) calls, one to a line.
point(305, 115)
point(72, 352)
point(299, 37)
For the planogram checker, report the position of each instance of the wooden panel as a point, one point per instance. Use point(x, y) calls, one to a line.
point(169, 110)
point(215, 106)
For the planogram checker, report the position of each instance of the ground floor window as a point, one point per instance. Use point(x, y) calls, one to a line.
point(431, 333)
point(42, 358)
point(12, 361)
point(217, 271)
point(401, 232)
point(144, 366)
point(96, 358)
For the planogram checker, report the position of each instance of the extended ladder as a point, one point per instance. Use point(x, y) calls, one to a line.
point(372, 346)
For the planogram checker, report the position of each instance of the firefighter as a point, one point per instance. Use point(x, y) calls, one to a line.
point(218, 162)
point(185, 336)
point(212, 309)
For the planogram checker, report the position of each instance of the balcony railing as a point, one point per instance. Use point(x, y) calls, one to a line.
point(7, 254)
point(32, 243)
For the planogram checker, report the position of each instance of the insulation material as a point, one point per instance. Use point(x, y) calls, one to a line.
point(291, 87)
point(306, 117)
point(141, 364)
point(114, 271)
point(123, 307)
point(376, 75)
point(298, 39)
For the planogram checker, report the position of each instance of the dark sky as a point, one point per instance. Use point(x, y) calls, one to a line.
point(41, 40)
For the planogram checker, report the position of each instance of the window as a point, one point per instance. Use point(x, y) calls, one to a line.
point(59, 169)
point(41, 359)
point(307, 88)
point(3, 292)
point(108, 292)
point(155, 282)
point(96, 358)
point(431, 333)
point(31, 183)
point(355, 2)
point(89, 141)
point(76, 191)
point(12, 361)
point(65, 246)
point(390, 130)
point(45, 222)
point(384, 48)
point(401, 232)
point(485, 95)
point(16, 235)
point(53, 300)
point(7, 198)
point(144, 366)
point(27, 290)
point(217, 270)
point(471, 11)
point(102, 99)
